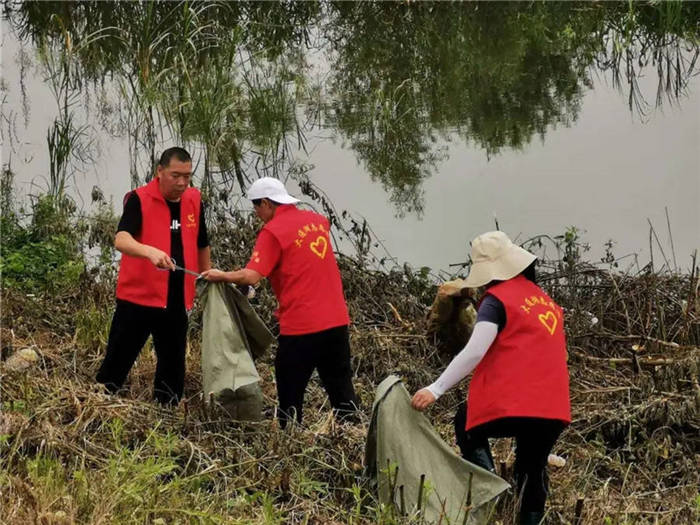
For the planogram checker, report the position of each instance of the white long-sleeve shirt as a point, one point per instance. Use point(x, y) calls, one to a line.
point(483, 336)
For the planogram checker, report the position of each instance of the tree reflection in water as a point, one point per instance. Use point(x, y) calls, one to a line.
point(233, 79)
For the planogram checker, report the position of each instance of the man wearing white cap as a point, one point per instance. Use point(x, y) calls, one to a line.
point(294, 251)
point(520, 386)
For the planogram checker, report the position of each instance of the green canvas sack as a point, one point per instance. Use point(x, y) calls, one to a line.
point(402, 446)
point(232, 335)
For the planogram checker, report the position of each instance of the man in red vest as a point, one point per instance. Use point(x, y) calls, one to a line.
point(520, 386)
point(294, 251)
point(162, 226)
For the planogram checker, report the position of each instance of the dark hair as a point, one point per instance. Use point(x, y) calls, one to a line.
point(258, 202)
point(180, 154)
point(529, 272)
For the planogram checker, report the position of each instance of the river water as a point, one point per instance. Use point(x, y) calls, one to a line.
point(603, 167)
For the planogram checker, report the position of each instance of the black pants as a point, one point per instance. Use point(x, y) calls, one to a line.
point(297, 357)
point(534, 439)
point(131, 326)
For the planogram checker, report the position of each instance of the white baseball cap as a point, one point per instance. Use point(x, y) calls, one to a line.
point(270, 188)
point(495, 257)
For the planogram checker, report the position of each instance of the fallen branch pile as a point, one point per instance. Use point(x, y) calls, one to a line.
point(72, 454)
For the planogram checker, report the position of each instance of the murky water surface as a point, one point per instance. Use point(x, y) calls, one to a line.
point(435, 122)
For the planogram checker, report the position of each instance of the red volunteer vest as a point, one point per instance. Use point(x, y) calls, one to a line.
point(306, 280)
point(524, 373)
point(139, 280)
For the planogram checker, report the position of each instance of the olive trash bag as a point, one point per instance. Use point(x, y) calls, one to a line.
point(417, 472)
point(232, 336)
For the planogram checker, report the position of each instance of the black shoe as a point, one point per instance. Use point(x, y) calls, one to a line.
point(531, 518)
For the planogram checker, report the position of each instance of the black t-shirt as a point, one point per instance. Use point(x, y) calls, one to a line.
point(492, 310)
point(131, 222)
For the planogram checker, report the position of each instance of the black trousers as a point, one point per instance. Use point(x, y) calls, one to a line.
point(327, 351)
point(534, 439)
point(131, 326)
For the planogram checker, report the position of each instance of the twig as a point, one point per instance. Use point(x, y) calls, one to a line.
point(627, 360)
point(624, 305)
point(395, 312)
point(670, 238)
point(578, 511)
point(632, 337)
point(468, 506)
point(420, 491)
point(658, 243)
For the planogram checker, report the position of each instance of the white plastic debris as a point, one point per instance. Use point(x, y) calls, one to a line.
point(556, 461)
point(21, 360)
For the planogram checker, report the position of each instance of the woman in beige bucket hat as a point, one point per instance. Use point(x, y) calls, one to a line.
point(520, 385)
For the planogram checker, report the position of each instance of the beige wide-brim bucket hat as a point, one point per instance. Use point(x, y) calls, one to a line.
point(495, 257)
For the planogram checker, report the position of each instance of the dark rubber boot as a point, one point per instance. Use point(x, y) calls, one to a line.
point(531, 518)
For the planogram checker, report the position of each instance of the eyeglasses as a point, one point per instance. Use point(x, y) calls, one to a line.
point(257, 202)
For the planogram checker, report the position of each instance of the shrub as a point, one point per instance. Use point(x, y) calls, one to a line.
point(44, 255)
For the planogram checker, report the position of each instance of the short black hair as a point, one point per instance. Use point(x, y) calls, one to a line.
point(180, 154)
point(530, 273)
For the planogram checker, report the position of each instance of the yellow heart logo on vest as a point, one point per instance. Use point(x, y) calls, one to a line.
point(549, 320)
point(319, 246)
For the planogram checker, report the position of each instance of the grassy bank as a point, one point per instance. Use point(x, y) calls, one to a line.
point(71, 454)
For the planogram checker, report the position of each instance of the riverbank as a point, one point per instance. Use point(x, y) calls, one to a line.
point(71, 454)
